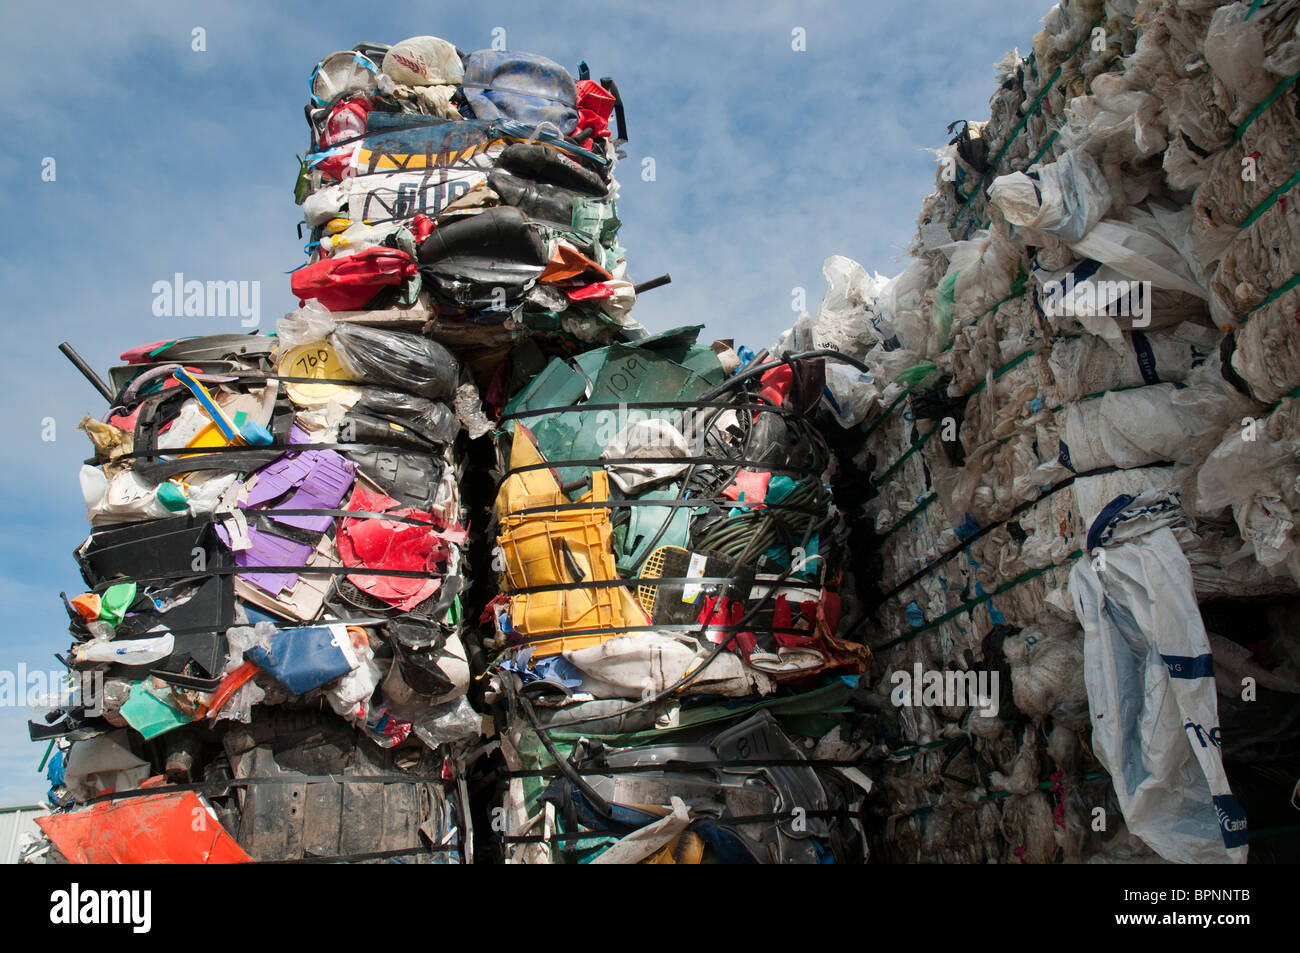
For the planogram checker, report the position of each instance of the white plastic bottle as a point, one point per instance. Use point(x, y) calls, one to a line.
point(127, 651)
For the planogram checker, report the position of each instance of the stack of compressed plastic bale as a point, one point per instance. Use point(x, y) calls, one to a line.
point(468, 196)
point(667, 667)
point(491, 176)
point(1079, 398)
point(273, 615)
point(481, 189)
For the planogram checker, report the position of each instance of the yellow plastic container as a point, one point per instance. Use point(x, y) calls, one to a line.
point(555, 548)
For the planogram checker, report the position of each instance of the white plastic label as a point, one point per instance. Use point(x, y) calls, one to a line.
point(695, 569)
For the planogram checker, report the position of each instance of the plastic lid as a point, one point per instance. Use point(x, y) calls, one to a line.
point(316, 360)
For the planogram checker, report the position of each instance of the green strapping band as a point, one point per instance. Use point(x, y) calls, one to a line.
point(1052, 138)
point(1272, 407)
point(1267, 101)
point(888, 410)
point(1019, 358)
point(1047, 145)
point(1015, 133)
point(1043, 151)
point(997, 794)
point(1253, 7)
point(1272, 199)
point(1022, 356)
point(910, 450)
point(1273, 296)
point(916, 509)
point(1018, 287)
point(45, 760)
point(941, 743)
point(975, 603)
point(1100, 393)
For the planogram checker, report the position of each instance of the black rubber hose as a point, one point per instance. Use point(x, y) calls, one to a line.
point(86, 371)
point(598, 802)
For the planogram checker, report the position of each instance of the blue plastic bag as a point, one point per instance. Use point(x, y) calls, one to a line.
point(522, 86)
point(307, 658)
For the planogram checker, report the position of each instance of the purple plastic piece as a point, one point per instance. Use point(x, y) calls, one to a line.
point(305, 480)
point(310, 480)
point(271, 550)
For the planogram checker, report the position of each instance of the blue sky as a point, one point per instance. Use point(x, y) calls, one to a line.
point(168, 160)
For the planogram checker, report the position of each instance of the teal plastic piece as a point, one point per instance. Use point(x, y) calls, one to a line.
point(149, 715)
point(632, 540)
point(558, 385)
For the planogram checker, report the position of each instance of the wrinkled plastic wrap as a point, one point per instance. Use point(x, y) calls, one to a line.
point(397, 359)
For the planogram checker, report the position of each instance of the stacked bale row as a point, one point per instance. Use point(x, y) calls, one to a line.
point(1095, 335)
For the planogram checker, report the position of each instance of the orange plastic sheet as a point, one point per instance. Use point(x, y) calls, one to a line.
point(168, 828)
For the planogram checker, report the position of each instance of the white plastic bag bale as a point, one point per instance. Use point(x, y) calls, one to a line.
point(1130, 121)
point(1138, 250)
point(1047, 671)
point(1219, 569)
point(1243, 175)
point(1065, 198)
point(905, 303)
point(849, 319)
point(1268, 350)
point(852, 394)
point(1150, 678)
point(1176, 224)
point(1256, 474)
point(1257, 263)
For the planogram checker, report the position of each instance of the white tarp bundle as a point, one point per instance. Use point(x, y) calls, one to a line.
point(1151, 691)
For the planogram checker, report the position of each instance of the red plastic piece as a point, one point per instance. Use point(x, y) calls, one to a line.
point(229, 685)
point(348, 283)
point(595, 103)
